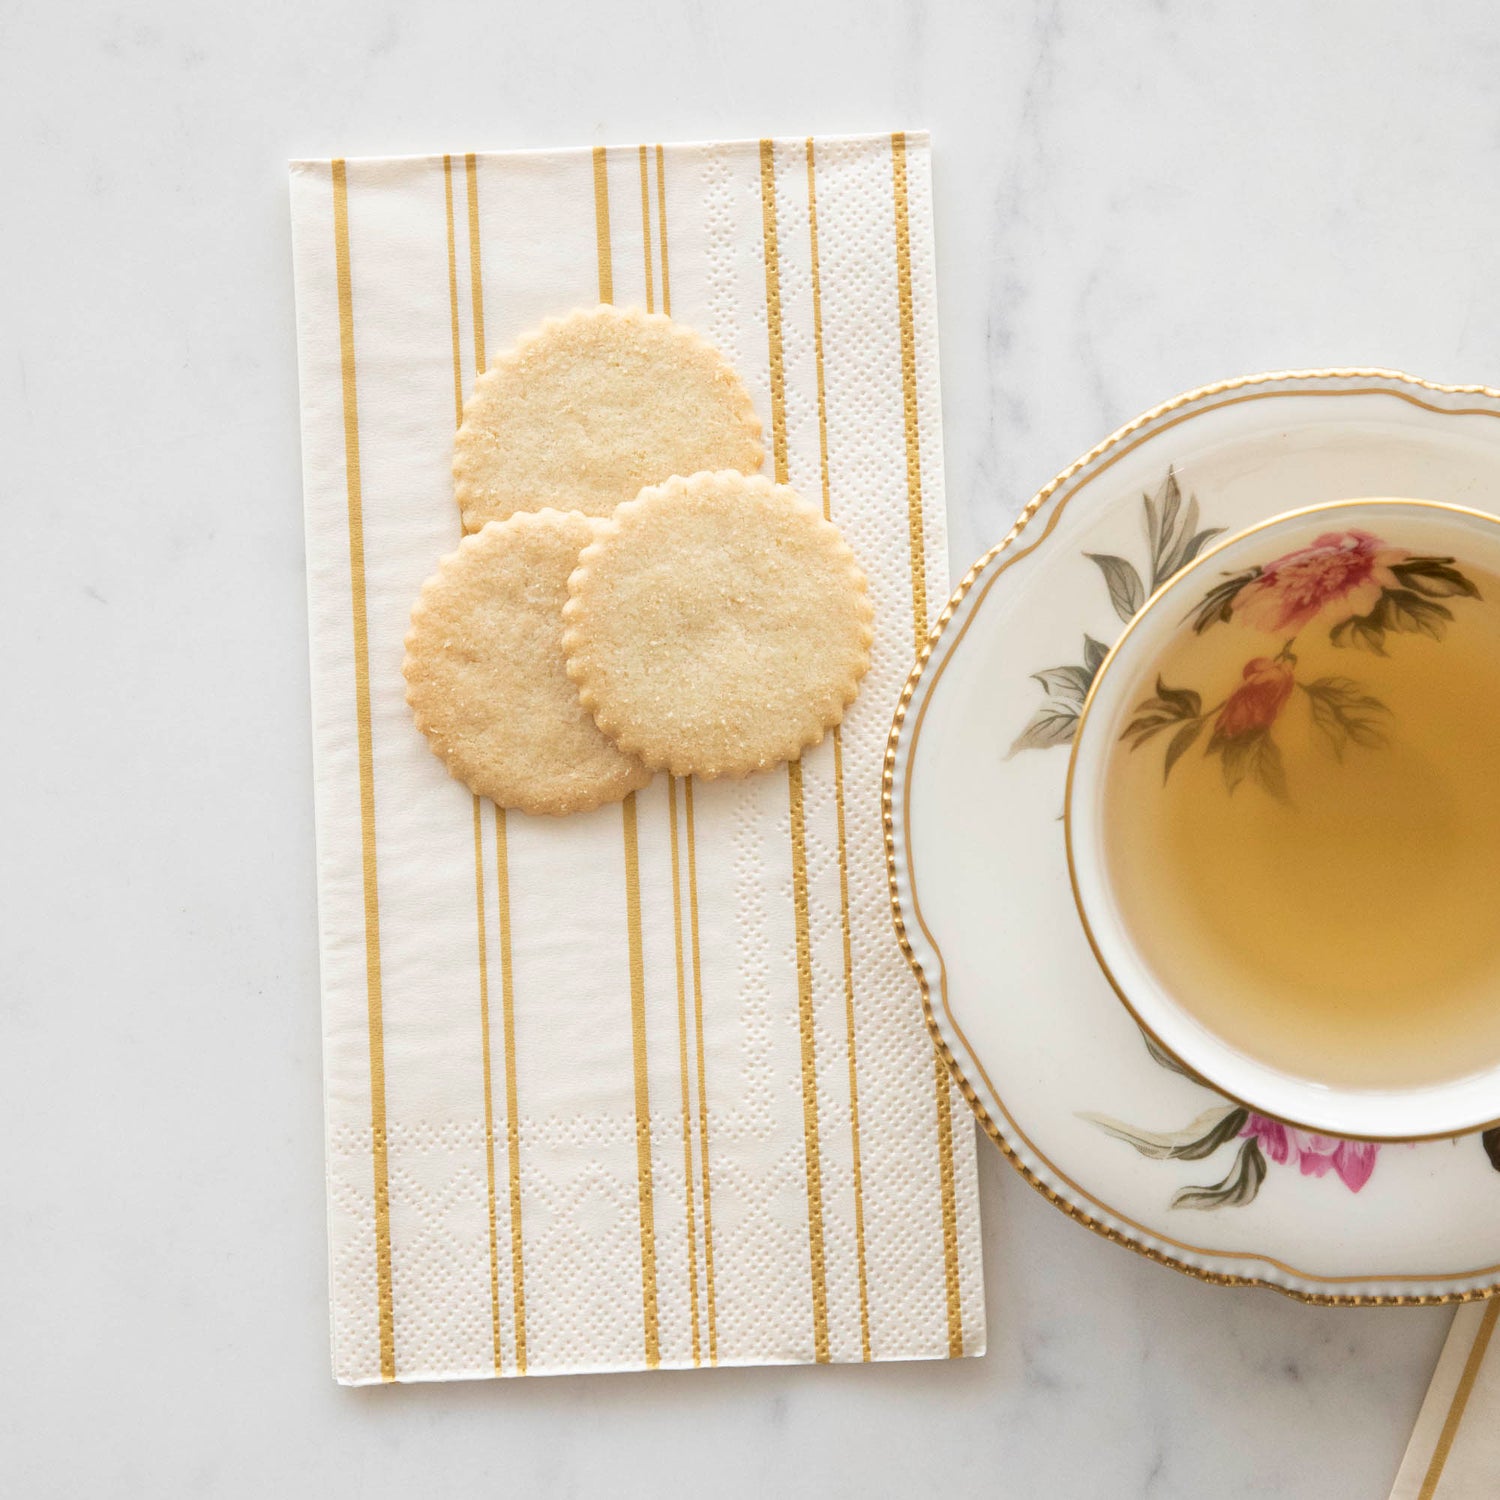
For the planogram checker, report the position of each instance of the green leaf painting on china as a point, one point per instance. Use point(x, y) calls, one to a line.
point(1173, 540)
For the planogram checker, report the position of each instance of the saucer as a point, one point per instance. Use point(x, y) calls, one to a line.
point(1107, 1126)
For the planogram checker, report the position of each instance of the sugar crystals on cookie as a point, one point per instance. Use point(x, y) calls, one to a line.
point(717, 625)
point(589, 408)
point(485, 675)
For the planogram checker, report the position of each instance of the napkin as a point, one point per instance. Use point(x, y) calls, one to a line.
point(648, 1086)
point(1454, 1453)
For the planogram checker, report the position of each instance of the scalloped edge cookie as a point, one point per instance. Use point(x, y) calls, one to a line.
point(588, 408)
point(485, 675)
point(717, 625)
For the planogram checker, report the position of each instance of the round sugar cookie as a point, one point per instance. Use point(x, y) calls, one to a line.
point(589, 408)
point(717, 625)
point(485, 676)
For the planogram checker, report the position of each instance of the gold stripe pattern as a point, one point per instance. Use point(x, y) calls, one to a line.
point(773, 307)
point(950, 1208)
point(512, 1119)
point(601, 225)
point(817, 306)
point(682, 1024)
point(502, 881)
point(942, 1083)
point(810, 1140)
point(838, 783)
point(479, 895)
point(909, 389)
point(1460, 1401)
point(859, 1186)
point(642, 1083)
point(692, 874)
point(633, 907)
point(476, 275)
point(708, 1214)
point(661, 210)
point(458, 374)
point(489, 1106)
point(646, 230)
point(682, 1073)
point(373, 995)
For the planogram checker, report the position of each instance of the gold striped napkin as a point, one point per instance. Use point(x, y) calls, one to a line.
point(647, 1086)
point(1454, 1453)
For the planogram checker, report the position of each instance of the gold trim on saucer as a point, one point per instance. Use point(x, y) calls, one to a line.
point(1117, 446)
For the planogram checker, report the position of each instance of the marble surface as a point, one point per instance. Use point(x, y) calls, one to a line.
point(1131, 200)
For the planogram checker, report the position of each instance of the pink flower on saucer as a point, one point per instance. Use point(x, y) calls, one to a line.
point(1342, 574)
point(1353, 1161)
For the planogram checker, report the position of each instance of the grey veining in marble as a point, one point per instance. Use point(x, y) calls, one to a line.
point(1131, 199)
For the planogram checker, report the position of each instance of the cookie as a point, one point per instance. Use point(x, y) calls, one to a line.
point(485, 675)
point(589, 408)
point(717, 625)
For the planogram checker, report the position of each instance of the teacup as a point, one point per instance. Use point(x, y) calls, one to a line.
point(1283, 818)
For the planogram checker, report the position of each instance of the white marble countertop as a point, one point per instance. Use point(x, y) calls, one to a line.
point(1131, 200)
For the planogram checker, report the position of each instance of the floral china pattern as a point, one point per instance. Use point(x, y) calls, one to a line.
point(1262, 1141)
point(1362, 591)
point(1173, 540)
point(1350, 583)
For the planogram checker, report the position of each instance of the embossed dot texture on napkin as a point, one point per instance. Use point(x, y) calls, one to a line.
point(650, 1085)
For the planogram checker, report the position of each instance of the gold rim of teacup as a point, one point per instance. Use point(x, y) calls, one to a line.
point(1203, 558)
